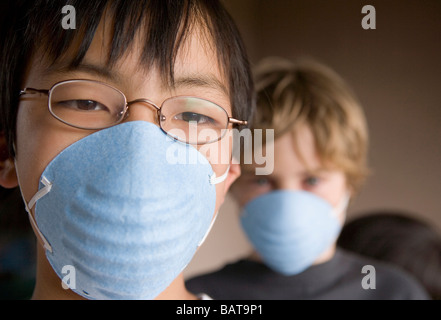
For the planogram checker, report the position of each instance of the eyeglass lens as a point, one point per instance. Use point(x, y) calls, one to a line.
point(94, 105)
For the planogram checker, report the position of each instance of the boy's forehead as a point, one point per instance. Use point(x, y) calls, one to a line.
point(129, 73)
point(195, 65)
point(294, 154)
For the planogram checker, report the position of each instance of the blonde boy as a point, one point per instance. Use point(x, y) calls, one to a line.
point(293, 216)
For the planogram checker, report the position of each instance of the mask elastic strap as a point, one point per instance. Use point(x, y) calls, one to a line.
point(216, 180)
point(40, 193)
point(208, 231)
point(28, 206)
point(342, 206)
point(205, 237)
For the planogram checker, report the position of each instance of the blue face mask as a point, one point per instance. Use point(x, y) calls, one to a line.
point(124, 208)
point(290, 229)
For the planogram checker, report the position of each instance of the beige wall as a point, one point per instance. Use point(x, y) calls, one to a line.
point(395, 71)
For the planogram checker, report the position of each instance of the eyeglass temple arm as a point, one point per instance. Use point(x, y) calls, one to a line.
point(32, 91)
point(239, 122)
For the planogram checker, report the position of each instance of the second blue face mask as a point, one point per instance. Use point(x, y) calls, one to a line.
point(126, 209)
point(290, 229)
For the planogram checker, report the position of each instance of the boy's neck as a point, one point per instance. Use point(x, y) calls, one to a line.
point(177, 291)
point(327, 255)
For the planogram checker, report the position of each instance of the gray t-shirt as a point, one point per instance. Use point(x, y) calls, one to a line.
point(337, 279)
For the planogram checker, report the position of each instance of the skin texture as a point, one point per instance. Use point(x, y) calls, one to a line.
point(41, 137)
point(294, 170)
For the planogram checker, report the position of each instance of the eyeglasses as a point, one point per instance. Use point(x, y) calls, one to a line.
point(94, 105)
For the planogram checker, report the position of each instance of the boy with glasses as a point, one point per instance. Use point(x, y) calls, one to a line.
point(106, 127)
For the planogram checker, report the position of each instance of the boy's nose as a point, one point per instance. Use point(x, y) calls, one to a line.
point(142, 111)
point(289, 184)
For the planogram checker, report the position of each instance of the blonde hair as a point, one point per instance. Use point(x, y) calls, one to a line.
point(292, 94)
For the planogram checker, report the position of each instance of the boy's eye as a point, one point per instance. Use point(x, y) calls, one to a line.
point(194, 117)
point(262, 181)
point(311, 181)
point(82, 105)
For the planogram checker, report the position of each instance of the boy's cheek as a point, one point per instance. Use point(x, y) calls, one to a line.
point(243, 194)
point(40, 138)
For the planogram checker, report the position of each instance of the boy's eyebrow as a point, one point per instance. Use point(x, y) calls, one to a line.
point(315, 171)
point(100, 71)
point(186, 81)
point(196, 80)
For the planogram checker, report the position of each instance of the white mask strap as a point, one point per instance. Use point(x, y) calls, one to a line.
point(342, 206)
point(208, 231)
point(205, 237)
point(40, 193)
point(216, 180)
point(28, 206)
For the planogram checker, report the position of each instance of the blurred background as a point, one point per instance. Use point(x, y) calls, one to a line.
point(395, 70)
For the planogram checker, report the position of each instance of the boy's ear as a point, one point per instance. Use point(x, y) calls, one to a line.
point(8, 176)
point(233, 174)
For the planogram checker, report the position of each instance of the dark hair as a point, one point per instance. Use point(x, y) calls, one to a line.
point(27, 26)
point(399, 239)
